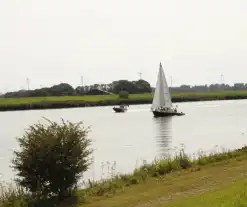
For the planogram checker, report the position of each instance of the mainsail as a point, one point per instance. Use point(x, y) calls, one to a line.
point(162, 97)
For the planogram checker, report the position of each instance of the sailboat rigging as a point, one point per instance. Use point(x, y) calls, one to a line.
point(162, 103)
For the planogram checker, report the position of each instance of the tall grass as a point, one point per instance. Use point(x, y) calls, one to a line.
point(12, 195)
point(158, 168)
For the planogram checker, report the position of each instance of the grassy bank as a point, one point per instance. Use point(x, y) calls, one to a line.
point(168, 182)
point(228, 195)
point(8, 104)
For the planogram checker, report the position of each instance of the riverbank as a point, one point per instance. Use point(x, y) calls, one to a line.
point(38, 103)
point(178, 181)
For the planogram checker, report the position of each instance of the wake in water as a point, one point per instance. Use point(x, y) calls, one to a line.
point(138, 110)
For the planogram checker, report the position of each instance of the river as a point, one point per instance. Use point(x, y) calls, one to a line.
point(128, 139)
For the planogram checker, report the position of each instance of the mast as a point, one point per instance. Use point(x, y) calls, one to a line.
point(162, 96)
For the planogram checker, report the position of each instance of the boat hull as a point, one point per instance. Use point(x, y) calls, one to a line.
point(119, 110)
point(167, 113)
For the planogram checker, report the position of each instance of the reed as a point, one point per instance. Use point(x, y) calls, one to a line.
point(12, 195)
point(159, 168)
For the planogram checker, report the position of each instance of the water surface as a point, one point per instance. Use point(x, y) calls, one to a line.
point(129, 138)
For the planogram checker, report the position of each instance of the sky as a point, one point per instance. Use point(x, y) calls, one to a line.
point(54, 41)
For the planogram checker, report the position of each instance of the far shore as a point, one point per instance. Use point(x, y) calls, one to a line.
point(59, 102)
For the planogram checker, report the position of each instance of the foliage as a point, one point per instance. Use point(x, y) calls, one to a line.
point(180, 161)
point(123, 95)
point(52, 158)
point(133, 87)
point(153, 176)
point(12, 195)
point(64, 89)
point(159, 168)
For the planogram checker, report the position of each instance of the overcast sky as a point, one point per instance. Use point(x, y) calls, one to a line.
point(53, 41)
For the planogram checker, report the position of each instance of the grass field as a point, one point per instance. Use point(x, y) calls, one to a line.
point(232, 194)
point(214, 185)
point(217, 179)
point(114, 98)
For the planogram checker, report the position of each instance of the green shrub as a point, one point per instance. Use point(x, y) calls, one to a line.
point(52, 158)
point(123, 95)
point(183, 159)
point(166, 166)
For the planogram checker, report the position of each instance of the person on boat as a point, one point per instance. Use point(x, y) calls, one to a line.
point(176, 109)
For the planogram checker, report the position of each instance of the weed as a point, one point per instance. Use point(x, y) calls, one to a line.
point(118, 182)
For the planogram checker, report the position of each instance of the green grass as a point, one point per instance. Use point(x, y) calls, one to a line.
point(96, 98)
point(101, 98)
point(181, 187)
point(164, 182)
point(159, 170)
point(234, 194)
point(34, 100)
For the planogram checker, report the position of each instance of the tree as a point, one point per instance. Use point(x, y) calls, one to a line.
point(63, 89)
point(52, 158)
point(143, 86)
point(80, 90)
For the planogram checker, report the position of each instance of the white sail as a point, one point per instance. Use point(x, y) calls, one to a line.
point(162, 97)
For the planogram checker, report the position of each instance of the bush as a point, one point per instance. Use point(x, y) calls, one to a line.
point(123, 95)
point(52, 158)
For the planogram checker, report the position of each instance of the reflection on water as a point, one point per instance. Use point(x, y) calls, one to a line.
point(129, 138)
point(163, 134)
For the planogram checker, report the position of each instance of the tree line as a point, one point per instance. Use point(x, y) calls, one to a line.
point(65, 89)
point(212, 87)
point(132, 87)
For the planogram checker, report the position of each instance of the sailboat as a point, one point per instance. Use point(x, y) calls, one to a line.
point(162, 103)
